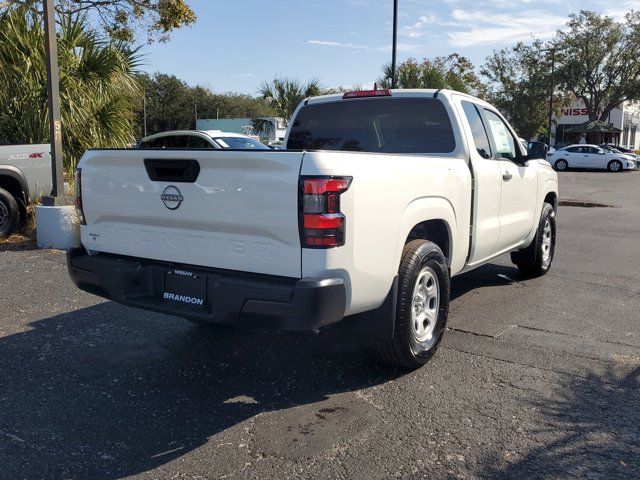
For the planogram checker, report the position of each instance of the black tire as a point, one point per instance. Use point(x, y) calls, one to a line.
point(532, 261)
point(9, 214)
point(561, 165)
point(405, 349)
point(615, 166)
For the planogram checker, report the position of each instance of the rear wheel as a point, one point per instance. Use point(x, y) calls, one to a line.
point(9, 214)
point(535, 260)
point(561, 165)
point(422, 307)
point(614, 166)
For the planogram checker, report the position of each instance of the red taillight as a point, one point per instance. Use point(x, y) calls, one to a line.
point(367, 93)
point(78, 192)
point(322, 225)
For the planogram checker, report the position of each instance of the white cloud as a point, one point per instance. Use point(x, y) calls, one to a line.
point(417, 29)
point(330, 43)
point(502, 28)
point(402, 47)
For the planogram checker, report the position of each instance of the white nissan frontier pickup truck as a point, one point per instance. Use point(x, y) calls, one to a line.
point(379, 199)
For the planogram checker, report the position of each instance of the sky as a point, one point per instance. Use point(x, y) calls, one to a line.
point(235, 45)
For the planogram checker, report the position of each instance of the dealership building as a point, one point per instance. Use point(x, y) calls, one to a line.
point(623, 122)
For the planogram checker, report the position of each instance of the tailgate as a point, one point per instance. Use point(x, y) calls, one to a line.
point(240, 212)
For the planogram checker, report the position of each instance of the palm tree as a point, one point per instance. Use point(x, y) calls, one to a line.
point(263, 127)
point(285, 94)
point(97, 84)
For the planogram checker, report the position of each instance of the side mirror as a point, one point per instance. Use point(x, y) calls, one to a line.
point(522, 160)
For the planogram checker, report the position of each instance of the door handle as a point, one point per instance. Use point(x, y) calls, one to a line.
point(506, 176)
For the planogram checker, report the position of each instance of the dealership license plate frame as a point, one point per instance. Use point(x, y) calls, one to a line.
point(183, 285)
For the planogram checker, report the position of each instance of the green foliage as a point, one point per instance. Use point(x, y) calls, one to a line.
point(520, 86)
point(96, 84)
point(172, 105)
point(454, 72)
point(285, 94)
point(120, 19)
point(599, 60)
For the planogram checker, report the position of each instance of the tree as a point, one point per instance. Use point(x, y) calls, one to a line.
point(169, 104)
point(121, 18)
point(97, 84)
point(520, 86)
point(173, 105)
point(599, 60)
point(285, 94)
point(454, 72)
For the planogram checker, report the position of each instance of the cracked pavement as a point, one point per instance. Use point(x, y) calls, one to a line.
point(534, 379)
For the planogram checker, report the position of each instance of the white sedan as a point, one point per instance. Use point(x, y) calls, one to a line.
point(194, 139)
point(590, 157)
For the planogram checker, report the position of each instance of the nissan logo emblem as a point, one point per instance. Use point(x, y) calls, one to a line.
point(171, 197)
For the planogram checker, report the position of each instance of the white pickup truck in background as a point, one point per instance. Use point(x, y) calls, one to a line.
point(379, 199)
point(25, 175)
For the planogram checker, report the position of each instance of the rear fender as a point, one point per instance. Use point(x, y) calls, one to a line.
point(425, 209)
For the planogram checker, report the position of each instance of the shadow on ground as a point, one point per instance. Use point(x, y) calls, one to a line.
point(594, 424)
point(109, 391)
point(490, 275)
point(104, 393)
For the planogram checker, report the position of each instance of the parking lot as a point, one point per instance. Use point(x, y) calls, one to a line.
point(534, 379)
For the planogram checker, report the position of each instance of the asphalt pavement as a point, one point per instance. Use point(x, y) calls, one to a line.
point(534, 379)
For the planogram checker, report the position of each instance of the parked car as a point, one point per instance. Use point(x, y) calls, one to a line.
point(380, 197)
point(590, 157)
point(194, 139)
point(25, 175)
point(634, 156)
point(624, 149)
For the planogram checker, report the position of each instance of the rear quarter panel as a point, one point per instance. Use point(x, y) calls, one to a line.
point(388, 196)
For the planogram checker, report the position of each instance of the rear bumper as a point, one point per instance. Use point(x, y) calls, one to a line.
point(233, 298)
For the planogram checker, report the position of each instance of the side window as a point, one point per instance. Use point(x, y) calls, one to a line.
point(480, 137)
point(197, 142)
point(502, 138)
point(155, 143)
point(594, 150)
point(177, 141)
point(573, 149)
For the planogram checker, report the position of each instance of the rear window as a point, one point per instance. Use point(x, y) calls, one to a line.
point(385, 125)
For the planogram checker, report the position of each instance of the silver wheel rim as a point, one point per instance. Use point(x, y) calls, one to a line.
point(615, 166)
point(547, 241)
point(561, 165)
point(425, 305)
point(4, 215)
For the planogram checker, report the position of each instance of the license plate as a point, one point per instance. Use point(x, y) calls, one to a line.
point(185, 288)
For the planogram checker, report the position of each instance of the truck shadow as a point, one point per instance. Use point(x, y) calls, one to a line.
point(490, 275)
point(107, 392)
point(589, 428)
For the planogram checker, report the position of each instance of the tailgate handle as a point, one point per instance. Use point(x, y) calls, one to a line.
point(160, 170)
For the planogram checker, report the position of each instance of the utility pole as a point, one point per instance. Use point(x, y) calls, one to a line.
point(195, 110)
point(394, 48)
point(553, 67)
point(144, 110)
point(57, 196)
